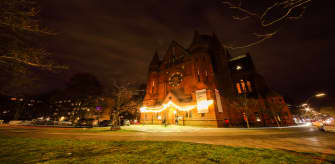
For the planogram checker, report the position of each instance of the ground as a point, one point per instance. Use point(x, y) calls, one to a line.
point(152, 144)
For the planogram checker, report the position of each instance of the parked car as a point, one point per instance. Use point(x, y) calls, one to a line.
point(84, 123)
point(126, 122)
point(104, 123)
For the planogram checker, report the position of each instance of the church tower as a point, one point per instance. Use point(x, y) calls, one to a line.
point(201, 86)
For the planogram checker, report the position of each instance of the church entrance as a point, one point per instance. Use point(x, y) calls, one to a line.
point(169, 116)
point(171, 120)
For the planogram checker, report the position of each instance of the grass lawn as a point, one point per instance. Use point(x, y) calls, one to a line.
point(33, 150)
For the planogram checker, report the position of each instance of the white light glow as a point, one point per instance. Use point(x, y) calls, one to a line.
point(320, 95)
point(201, 105)
point(62, 118)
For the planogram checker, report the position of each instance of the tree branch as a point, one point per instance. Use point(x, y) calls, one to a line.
point(261, 18)
point(5, 59)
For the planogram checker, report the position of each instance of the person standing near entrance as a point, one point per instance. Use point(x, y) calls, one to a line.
point(164, 122)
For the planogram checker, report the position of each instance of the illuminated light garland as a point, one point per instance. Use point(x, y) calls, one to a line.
point(201, 105)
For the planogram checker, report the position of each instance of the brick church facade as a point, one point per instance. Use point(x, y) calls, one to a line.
point(204, 86)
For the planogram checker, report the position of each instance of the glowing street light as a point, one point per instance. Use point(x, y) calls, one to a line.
point(320, 95)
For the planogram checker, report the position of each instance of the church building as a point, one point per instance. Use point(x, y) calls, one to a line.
point(204, 85)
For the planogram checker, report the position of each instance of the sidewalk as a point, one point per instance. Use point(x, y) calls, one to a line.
point(162, 128)
point(176, 128)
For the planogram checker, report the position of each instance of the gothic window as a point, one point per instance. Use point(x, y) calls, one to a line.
point(206, 75)
point(243, 87)
point(238, 87)
point(153, 87)
point(249, 86)
point(244, 90)
point(198, 75)
point(202, 114)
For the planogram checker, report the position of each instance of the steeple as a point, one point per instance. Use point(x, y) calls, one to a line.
point(155, 62)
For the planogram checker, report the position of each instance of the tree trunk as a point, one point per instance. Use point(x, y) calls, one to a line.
point(277, 121)
point(18, 111)
point(115, 121)
point(247, 120)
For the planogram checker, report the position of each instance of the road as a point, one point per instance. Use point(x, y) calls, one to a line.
point(301, 139)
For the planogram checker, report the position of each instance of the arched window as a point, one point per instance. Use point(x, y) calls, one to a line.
point(244, 87)
point(244, 90)
point(249, 86)
point(198, 75)
point(153, 87)
point(238, 87)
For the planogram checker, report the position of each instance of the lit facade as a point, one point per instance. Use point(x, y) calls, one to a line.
point(203, 85)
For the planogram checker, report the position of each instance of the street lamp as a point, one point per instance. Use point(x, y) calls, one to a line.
point(306, 105)
point(318, 95)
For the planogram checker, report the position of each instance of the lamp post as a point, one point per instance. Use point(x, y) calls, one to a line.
point(306, 105)
point(318, 95)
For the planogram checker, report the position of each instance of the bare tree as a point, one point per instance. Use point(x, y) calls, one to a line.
point(124, 101)
point(275, 110)
point(274, 14)
point(21, 35)
point(19, 31)
point(244, 105)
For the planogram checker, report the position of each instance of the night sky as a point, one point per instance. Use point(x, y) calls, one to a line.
point(116, 39)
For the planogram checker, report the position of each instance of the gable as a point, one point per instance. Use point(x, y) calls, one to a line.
point(174, 53)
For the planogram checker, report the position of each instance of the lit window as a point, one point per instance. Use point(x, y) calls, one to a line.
point(243, 86)
point(198, 75)
point(249, 86)
point(238, 87)
point(238, 67)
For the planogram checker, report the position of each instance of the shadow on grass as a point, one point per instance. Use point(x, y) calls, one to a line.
point(32, 150)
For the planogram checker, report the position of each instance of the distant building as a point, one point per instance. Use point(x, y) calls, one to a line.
point(204, 86)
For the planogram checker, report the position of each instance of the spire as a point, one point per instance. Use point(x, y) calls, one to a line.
point(155, 60)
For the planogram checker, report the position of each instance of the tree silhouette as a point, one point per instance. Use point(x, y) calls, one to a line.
point(270, 16)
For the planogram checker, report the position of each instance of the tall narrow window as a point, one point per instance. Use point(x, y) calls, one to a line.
point(198, 75)
point(206, 75)
point(244, 89)
point(153, 87)
point(238, 87)
point(249, 86)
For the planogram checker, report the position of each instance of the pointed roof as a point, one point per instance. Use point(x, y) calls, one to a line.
point(175, 50)
point(155, 59)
